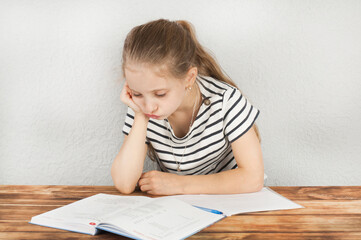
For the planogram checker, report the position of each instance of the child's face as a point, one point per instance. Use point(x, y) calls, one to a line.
point(157, 96)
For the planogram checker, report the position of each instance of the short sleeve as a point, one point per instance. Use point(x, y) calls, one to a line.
point(239, 114)
point(128, 123)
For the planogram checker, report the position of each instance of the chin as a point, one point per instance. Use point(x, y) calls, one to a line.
point(161, 118)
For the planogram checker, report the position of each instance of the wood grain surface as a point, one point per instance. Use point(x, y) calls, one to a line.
point(329, 213)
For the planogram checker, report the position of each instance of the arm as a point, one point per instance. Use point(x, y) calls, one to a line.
point(248, 177)
point(128, 164)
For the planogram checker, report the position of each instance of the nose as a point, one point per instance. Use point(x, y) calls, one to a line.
point(150, 107)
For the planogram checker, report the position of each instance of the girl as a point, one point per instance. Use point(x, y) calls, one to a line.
point(188, 116)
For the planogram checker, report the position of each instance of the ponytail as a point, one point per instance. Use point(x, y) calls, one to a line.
point(206, 64)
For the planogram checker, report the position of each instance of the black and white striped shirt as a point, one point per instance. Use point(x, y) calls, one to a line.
point(219, 122)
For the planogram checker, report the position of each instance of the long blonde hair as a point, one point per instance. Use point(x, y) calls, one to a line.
point(173, 45)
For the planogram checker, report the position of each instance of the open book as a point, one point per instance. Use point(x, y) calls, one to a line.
point(136, 217)
point(170, 217)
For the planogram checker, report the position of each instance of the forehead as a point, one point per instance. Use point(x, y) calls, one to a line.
point(147, 78)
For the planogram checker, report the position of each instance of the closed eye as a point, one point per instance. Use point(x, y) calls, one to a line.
point(139, 95)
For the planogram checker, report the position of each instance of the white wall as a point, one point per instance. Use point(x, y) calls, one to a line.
point(60, 80)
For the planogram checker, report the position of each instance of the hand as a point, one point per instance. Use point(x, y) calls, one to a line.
point(160, 183)
point(126, 97)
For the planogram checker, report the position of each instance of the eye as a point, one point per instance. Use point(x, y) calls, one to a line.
point(136, 95)
point(160, 95)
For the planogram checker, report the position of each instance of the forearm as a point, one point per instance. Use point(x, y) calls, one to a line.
point(228, 182)
point(128, 164)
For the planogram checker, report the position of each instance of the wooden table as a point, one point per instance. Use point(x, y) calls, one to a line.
point(329, 213)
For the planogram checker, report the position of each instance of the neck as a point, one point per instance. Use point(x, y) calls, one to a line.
point(190, 101)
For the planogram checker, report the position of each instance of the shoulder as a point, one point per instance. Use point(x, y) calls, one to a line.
point(214, 88)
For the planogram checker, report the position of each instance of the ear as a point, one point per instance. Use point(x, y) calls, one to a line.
point(191, 77)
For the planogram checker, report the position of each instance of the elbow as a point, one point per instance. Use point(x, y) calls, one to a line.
point(258, 183)
point(259, 186)
point(253, 188)
point(253, 183)
point(258, 180)
point(124, 189)
point(121, 185)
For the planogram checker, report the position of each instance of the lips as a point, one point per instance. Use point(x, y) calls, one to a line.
point(152, 116)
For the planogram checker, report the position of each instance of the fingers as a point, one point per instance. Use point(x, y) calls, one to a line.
point(125, 94)
point(144, 184)
point(145, 188)
point(149, 174)
point(147, 181)
point(143, 181)
point(126, 97)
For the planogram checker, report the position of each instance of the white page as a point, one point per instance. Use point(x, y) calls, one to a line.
point(162, 219)
point(230, 204)
point(91, 209)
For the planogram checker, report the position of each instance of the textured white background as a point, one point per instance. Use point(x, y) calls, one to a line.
point(299, 62)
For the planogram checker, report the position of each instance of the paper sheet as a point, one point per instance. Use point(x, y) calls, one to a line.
point(230, 204)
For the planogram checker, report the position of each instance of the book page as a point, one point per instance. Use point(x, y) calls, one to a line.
point(91, 210)
point(161, 219)
point(230, 204)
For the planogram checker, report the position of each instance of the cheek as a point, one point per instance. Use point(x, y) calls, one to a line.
point(138, 101)
point(175, 101)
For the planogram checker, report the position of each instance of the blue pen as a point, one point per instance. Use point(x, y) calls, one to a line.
point(208, 210)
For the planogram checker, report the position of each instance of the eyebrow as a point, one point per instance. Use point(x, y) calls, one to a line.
point(156, 90)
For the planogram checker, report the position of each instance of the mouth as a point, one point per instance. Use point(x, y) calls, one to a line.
point(152, 116)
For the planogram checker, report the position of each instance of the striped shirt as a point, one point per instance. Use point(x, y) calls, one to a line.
point(219, 122)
